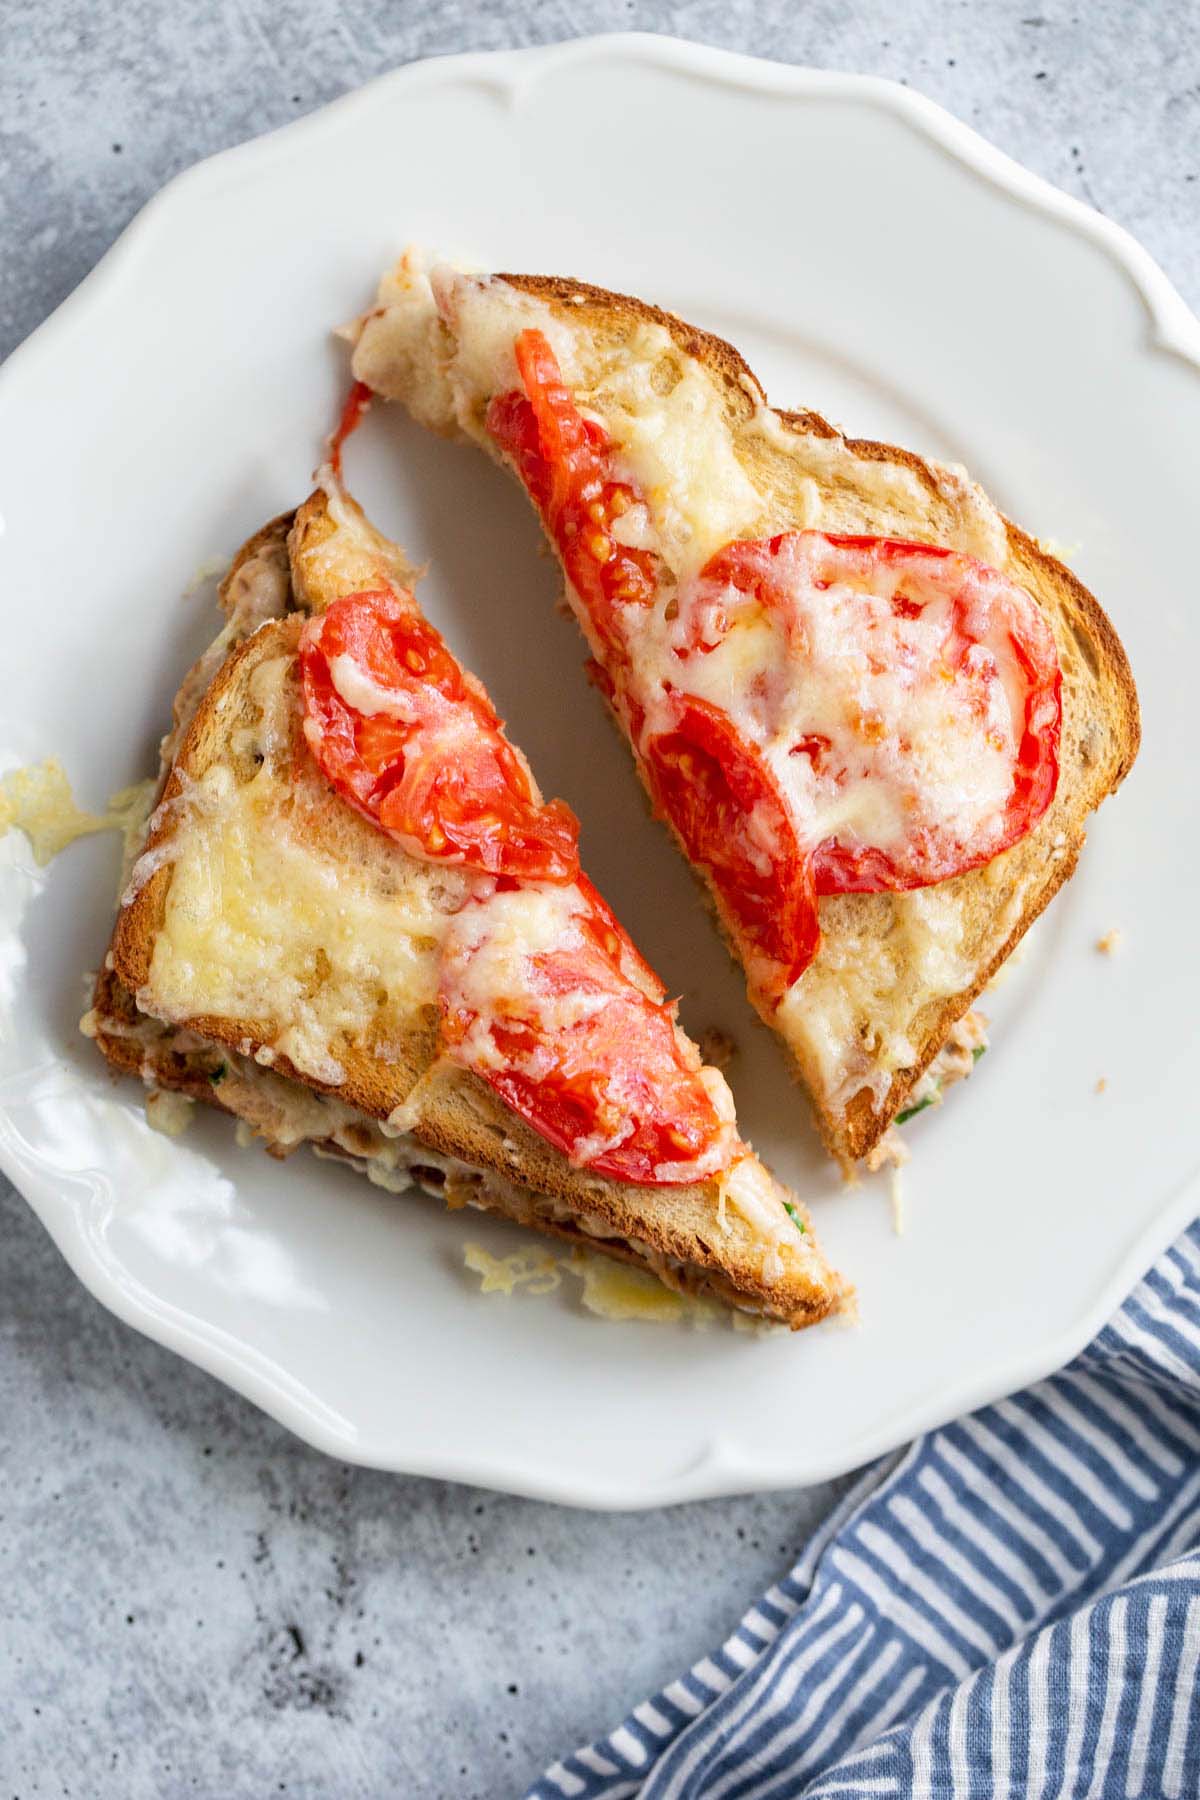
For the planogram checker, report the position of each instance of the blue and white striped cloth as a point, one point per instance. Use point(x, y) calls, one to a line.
point(1011, 1607)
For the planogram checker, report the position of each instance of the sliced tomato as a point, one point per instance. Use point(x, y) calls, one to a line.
point(946, 683)
point(594, 1063)
point(410, 740)
point(567, 464)
point(600, 923)
point(716, 788)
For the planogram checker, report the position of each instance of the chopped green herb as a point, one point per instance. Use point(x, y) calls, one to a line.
point(219, 1074)
point(910, 1112)
point(977, 1052)
point(794, 1216)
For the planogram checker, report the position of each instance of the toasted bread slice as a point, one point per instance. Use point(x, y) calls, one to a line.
point(276, 955)
point(716, 463)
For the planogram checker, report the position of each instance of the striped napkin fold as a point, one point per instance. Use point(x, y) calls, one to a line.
point(1010, 1607)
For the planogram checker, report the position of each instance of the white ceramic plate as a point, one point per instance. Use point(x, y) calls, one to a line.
point(873, 259)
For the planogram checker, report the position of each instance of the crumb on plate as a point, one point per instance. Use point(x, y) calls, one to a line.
point(610, 1290)
point(716, 1046)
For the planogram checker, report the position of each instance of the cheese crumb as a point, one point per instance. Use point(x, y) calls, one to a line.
point(896, 1191)
point(1102, 1084)
point(1064, 550)
point(891, 1152)
point(1110, 943)
point(535, 1270)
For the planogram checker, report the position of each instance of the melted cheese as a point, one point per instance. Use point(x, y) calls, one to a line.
point(978, 529)
point(847, 1013)
point(487, 976)
point(369, 697)
point(258, 928)
point(667, 420)
point(37, 801)
point(896, 1195)
point(265, 923)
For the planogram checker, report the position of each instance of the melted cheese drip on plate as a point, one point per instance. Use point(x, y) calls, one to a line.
point(37, 800)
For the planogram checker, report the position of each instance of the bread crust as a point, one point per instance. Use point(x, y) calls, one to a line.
point(1102, 727)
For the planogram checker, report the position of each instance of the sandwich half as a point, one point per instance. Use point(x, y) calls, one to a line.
point(874, 712)
point(355, 923)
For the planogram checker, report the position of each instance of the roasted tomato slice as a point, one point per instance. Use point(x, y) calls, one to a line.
point(412, 741)
point(720, 794)
point(909, 698)
point(566, 462)
point(551, 1019)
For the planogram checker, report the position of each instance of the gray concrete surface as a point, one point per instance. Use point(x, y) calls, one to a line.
point(190, 1601)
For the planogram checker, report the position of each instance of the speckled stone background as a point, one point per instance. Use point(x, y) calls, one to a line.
point(191, 1602)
